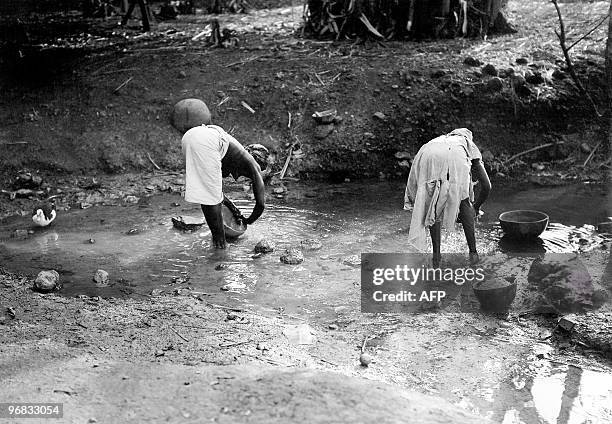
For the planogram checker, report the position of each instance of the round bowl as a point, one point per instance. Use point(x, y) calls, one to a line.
point(232, 227)
point(495, 294)
point(523, 224)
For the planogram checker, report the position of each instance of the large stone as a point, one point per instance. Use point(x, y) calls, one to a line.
point(322, 131)
point(47, 281)
point(292, 256)
point(495, 84)
point(189, 113)
point(561, 284)
point(101, 277)
point(264, 246)
point(489, 69)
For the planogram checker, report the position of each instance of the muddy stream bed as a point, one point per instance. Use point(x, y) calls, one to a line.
point(143, 254)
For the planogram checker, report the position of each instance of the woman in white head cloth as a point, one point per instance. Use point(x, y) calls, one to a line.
point(440, 190)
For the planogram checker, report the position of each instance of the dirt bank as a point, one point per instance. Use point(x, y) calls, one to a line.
point(104, 107)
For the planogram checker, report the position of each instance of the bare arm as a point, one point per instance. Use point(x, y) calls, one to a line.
point(480, 173)
point(259, 191)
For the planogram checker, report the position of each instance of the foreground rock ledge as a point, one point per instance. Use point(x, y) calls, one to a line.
point(225, 394)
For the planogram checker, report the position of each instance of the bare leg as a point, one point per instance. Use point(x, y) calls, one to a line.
point(214, 219)
point(466, 217)
point(435, 231)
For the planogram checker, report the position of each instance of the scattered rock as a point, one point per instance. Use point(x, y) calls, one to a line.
point(311, 244)
point(522, 61)
point(352, 260)
point(101, 277)
point(534, 78)
point(25, 180)
point(279, 190)
point(262, 346)
point(264, 246)
point(403, 155)
point(19, 233)
point(380, 115)
point(585, 148)
point(47, 281)
point(559, 74)
point(471, 61)
point(322, 131)
point(365, 359)
point(495, 84)
point(131, 199)
point(292, 256)
point(562, 285)
point(489, 69)
point(220, 267)
point(487, 156)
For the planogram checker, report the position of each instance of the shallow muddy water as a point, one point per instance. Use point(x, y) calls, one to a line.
point(141, 251)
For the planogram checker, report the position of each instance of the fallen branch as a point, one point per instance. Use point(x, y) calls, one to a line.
point(591, 154)
point(123, 84)
point(282, 174)
point(533, 149)
point(179, 334)
point(247, 107)
point(151, 160)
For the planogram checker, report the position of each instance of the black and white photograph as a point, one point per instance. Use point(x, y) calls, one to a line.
point(306, 211)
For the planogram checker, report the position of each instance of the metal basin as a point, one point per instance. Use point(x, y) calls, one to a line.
point(523, 224)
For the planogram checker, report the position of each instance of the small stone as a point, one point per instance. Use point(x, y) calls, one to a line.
point(131, 199)
point(279, 190)
point(333, 326)
point(47, 281)
point(380, 115)
point(365, 359)
point(91, 241)
point(403, 155)
point(292, 256)
point(132, 231)
point(264, 246)
point(522, 61)
point(559, 74)
point(470, 61)
point(535, 78)
point(322, 131)
point(311, 244)
point(182, 74)
point(19, 234)
point(220, 267)
point(262, 346)
point(438, 73)
point(160, 353)
point(487, 156)
point(489, 69)
point(495, 84)
point(101, 277)
point(585, 148)
point(537, 167)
